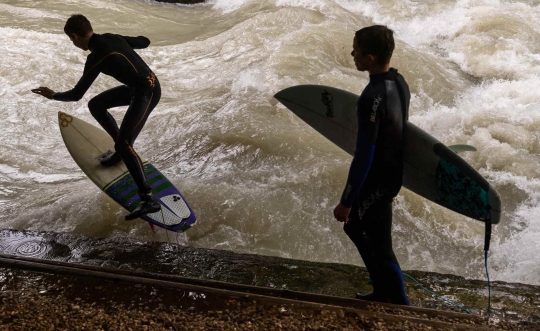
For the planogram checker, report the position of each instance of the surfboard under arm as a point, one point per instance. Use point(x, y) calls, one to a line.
point(431, 169)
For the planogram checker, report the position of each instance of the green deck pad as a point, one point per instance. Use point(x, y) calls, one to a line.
point(114, 181)
point(123, 182)
point(155, 179)
point(149, 169)
point(161, 187)
point(130, 195)
point(155, 191)
point(460, 192)
point(150, 182)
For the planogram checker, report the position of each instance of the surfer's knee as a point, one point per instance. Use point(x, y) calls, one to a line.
point(95, 109)
point(121, 146)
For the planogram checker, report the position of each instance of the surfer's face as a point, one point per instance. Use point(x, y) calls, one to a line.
point(77, 41)
point(361, 61)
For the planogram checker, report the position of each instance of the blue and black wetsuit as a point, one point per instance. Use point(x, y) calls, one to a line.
point(375, 178)
point(113, 55)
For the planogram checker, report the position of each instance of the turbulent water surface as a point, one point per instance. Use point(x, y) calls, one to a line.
point(258, 178)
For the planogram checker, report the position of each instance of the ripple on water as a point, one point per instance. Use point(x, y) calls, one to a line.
point(25, 247)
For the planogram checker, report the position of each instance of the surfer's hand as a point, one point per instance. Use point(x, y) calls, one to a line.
point(44, 91)
point(341, 213)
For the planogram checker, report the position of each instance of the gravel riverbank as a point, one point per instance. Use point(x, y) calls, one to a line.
point(42, 301)
point(34, 300)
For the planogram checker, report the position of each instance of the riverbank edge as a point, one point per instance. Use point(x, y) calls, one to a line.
point(511, 302)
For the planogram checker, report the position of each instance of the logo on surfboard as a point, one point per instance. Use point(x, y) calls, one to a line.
point(328, 101)
point(65, 119)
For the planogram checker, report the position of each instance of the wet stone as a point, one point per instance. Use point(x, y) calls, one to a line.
point(515, 306)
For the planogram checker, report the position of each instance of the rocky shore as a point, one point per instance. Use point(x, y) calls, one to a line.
point(44, 301)
point(33, 301)
point(49, 300)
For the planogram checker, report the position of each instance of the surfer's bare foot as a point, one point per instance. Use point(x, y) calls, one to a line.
point(109, 159)
point(148, 205)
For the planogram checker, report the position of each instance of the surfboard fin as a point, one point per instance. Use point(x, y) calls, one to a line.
point(462, 148)
point(273, 101)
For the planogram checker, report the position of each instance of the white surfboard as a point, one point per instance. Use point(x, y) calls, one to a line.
point(430, 168)
point(86, 143)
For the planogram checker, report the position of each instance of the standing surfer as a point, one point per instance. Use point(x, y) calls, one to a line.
point(376, 172)
point(114, 55)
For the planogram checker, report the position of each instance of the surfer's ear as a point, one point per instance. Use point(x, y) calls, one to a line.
point(371, 59)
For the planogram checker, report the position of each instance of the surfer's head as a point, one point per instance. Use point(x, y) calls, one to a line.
point(373, 47)
point(79, 30)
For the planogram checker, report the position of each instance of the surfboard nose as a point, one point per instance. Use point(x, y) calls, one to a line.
point(64, 119)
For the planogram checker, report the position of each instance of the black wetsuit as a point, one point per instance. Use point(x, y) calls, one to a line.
point(375, 178)
point(113, 55)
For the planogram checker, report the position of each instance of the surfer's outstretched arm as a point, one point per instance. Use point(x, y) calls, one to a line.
point(44, 91)
point(79, 30)
point(74, 94)
point(79, 90)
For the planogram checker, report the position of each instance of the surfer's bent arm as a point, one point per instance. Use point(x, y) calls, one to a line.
point(363, 158)
point(137, 42)
point(91, 71)
point(368, 124)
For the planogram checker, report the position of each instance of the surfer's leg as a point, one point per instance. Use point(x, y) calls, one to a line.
point(99, 106)
point(356, 232)
point(355, 229)
point(139, 120)
point(388, 281)
point(101, 103)
point(142, 104)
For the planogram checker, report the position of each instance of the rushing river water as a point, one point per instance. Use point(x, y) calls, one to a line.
point(258, 178)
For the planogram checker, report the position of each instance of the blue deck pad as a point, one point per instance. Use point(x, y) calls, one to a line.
point(460, 192)
point(124, 191)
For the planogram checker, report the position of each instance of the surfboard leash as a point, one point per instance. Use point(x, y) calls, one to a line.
point(436, 295)
point(166, 230)
point(487, 240)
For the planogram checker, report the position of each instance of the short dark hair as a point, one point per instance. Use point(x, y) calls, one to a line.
point(78, 24)
point(376, 40)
